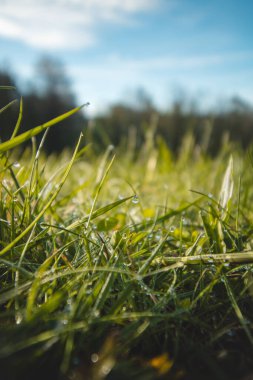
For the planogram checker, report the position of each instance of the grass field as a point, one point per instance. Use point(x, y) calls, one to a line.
point(125, 265)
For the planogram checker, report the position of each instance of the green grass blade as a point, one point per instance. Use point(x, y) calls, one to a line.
point(35, 131)
point(98, 212)
point(8, 105)
point(41, 213)
point(7, 88)
point(211, 259)
point(98, 189)
point(226, 189)
point(237, 310)
point(20, 115)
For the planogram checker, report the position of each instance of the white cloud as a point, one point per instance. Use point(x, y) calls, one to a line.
point(69, 24)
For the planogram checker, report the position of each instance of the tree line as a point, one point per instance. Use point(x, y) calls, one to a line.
point(122, 125)
point(47, 97)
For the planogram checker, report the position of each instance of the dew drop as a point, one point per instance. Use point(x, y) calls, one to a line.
point(135, 200)
point(158, 237)
point(16, 165)
point(96, 313)
point(230, 333)
point(18, 318)
point(106, 369)
point(5, 183)
point(94, 358)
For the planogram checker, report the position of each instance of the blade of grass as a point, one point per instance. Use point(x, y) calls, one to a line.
point(99, 187)
point(217, 258)
point(98, 212)
point(48, 204)
point(20, 115)
point(226, 189)
point(35, 131)
point(237, 309)
point(8, 105)
point(7, 88)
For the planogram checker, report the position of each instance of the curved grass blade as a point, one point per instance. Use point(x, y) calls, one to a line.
point(8, 105)
point(35, 131)
point(97, 213)
point(20, 115)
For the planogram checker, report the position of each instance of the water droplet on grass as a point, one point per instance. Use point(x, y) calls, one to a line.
point(94, 358)
point(230, 333)
point(135, 200)
point(18, 318)
point(106, 369)
point(16, 165)
point(158, 237)
point(96, 313)
point(5, 183)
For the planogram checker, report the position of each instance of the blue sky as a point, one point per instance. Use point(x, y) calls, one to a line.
point(110, 48)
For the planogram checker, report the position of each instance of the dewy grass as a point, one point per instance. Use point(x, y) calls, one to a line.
point(125, 268)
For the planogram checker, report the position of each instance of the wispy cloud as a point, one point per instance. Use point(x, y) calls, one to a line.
point(207, 72)
point(56, 24)
point(167, 63)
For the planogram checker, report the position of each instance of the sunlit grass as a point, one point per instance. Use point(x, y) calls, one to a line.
point(125, 266)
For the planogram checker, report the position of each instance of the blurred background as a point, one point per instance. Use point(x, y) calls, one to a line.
point(172, 66)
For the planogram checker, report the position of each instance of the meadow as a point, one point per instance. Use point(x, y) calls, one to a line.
point(125, 264)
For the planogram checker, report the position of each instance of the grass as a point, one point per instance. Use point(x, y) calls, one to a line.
point(125, 266)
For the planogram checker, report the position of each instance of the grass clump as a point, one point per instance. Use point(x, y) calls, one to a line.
point(127, 267)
